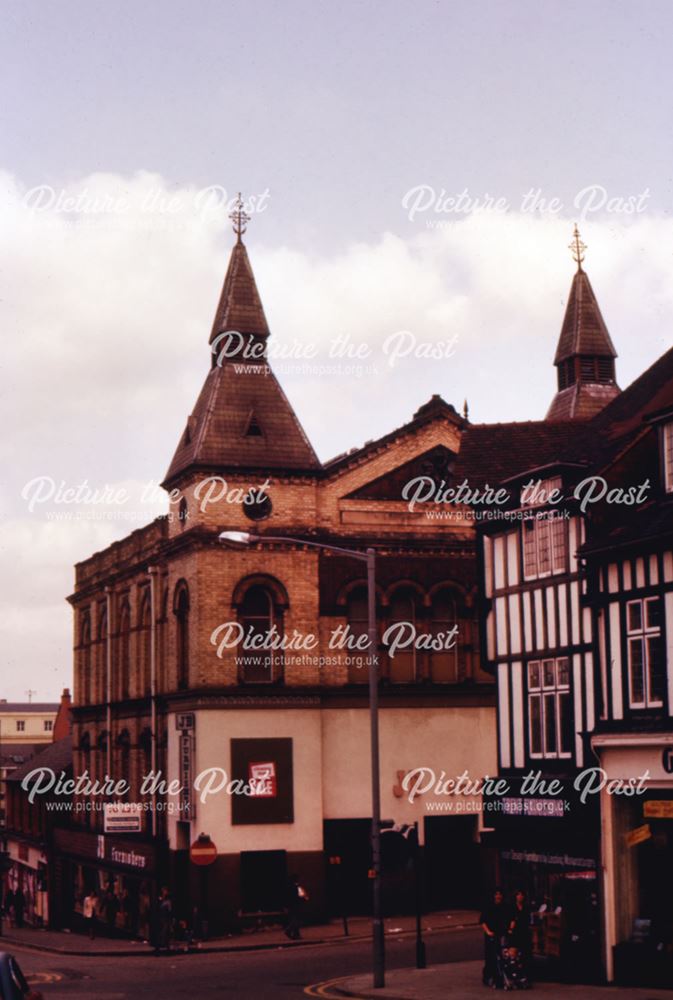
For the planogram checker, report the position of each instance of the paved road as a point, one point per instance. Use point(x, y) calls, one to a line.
point(282, 973)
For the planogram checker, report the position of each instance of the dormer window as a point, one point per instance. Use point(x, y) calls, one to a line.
point(668, 457)
point(537, 493)
point(253, 427)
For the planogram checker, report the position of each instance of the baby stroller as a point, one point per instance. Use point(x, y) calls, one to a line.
point(512, 969)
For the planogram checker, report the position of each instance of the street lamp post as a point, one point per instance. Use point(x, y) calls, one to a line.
point(241, 539)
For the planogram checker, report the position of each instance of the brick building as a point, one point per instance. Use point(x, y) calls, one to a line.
point(158, 688)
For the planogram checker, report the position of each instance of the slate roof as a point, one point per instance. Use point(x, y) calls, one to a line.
point(28, 708)
point(495, 453)
point(240, 307)
point(57, 756)
point(9, 751)
point(581, 401)
point(217, 434)
point(583, 330)
point(242, 418)
point(650, 393)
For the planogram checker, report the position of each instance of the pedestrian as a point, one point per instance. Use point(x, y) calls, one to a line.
point(494, 922)
point(111, 908)
point(89, 910)
point(296, 898)
point(9, 906)
point(19, 906)
point(518, 929)
point(165, 918)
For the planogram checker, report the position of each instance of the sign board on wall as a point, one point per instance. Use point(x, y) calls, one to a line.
point(638, 835)
point(658, 809)
point(123, 817)
point(265, 766)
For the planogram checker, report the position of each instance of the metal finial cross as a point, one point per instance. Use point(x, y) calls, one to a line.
point(577, 248)
point(239, 217)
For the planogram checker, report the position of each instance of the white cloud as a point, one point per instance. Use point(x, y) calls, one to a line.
point(106, 322)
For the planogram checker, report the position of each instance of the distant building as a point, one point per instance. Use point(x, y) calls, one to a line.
point(29, 833)
point(24, 729)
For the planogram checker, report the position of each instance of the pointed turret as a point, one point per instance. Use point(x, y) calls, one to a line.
point(242, 419)
point(240, 307)
point(585, 356)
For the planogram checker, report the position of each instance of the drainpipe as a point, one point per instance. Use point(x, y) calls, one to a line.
point(108, 681)
point(152, 571)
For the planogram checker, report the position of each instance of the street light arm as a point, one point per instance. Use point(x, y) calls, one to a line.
point(244, 538)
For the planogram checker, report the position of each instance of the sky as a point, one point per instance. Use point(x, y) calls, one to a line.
point(414, 172)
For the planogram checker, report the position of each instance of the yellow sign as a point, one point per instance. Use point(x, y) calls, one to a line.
point(658, 809)
point(638, 835)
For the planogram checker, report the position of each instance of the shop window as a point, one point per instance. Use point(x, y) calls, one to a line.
point(124, 652)
point(550, 726)
point(181, 610)
point(404, 611)
point(545, 547)
point(668, 457)
point(645, 655)
point(259, 614)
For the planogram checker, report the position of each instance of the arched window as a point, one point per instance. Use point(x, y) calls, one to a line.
point(86, 765)
point(145, 748)
point(257, 614)
point(85, 678)
point(181, 611)
point(183, 512)
point(124, 652)
point(145, 644)
point(123, 769)
point(402, 626)
point(162, 629)
point(357, 616)
point(100, 692)
point(101, 755)
point(444, 616)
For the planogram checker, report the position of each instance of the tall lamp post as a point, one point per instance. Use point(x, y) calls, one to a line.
point(242, 539)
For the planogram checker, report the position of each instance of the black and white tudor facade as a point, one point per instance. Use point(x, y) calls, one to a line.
point(577, 597)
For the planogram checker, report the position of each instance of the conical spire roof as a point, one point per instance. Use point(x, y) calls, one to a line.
point(242, 418)
point(240, 307)
point(583, 331)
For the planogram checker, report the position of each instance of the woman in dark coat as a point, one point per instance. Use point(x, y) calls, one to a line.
point(519, 935)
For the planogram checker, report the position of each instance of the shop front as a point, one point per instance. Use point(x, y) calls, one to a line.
point(548, 846)
point(638, 858)
point(26, 884)
point(123, 872)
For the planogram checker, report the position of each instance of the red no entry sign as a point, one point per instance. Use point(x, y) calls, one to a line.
point(203, 851)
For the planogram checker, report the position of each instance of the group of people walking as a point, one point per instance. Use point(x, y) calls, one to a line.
point(507, 941)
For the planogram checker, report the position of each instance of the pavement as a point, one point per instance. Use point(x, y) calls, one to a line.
point(70, 943)
point(462, 980)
